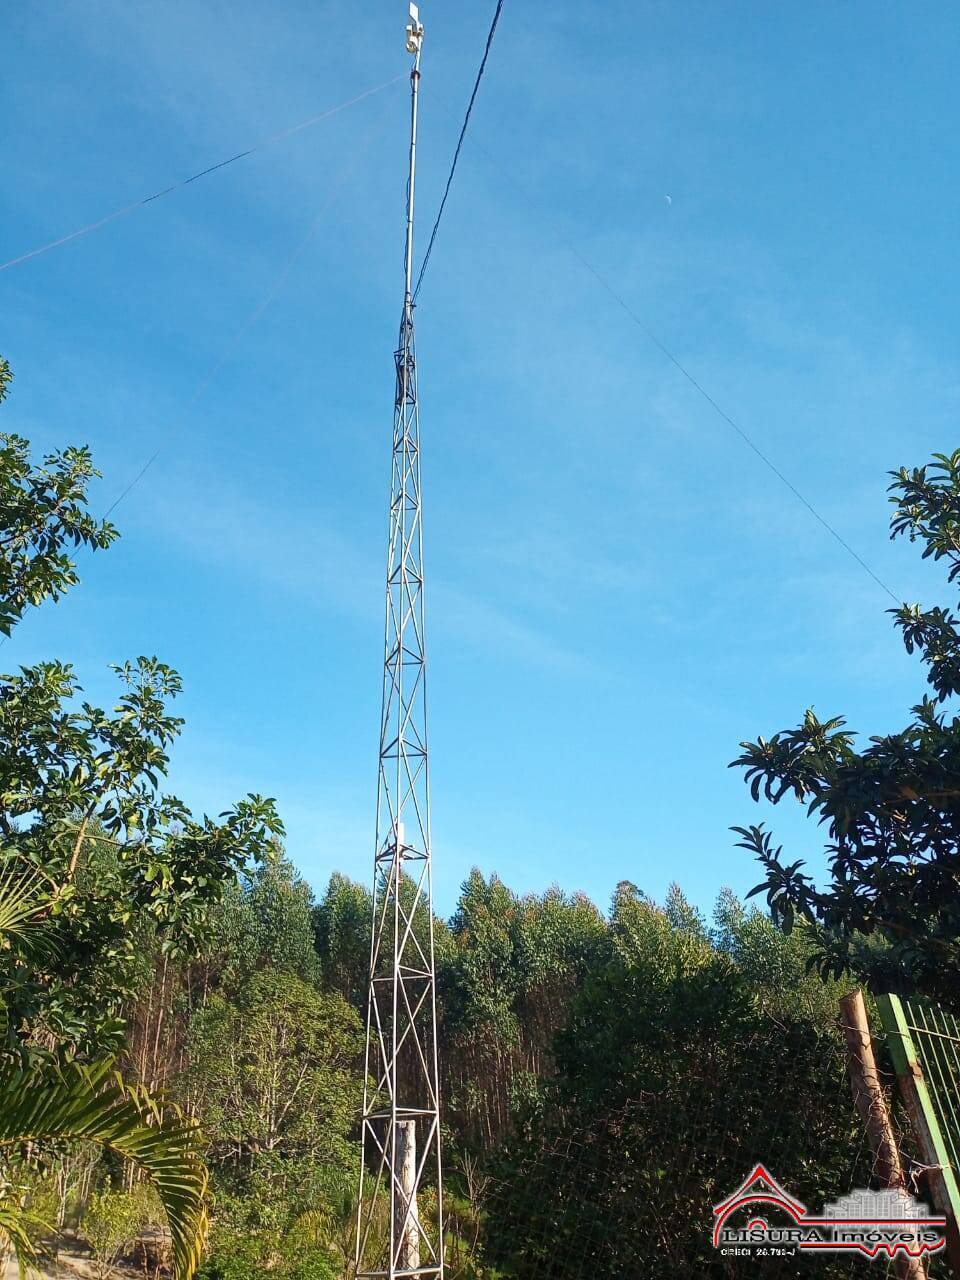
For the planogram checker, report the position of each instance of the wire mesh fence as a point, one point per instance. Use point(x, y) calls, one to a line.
point(936, 1035)
point(626, 1186)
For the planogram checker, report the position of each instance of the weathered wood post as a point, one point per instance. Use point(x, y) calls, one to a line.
point(406, 1223)
point(870, 1102)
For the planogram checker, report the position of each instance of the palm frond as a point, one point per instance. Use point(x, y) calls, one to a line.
point(92, 1103)
point(22, 900)
point(15, 1230)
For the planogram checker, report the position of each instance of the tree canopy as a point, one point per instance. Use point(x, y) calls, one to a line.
point(97, 862)
point(891, 808)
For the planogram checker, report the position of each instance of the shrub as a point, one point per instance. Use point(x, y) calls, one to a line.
point(111, 1224)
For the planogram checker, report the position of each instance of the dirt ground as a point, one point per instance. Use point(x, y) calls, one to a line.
point(72, 1264)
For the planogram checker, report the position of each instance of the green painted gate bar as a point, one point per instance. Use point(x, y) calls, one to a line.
point(924, 1044)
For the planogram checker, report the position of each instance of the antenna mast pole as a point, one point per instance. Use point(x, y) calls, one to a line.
point(400, 1152)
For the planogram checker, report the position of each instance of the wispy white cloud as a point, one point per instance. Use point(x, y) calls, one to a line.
point(482, 625)
point(306, 556)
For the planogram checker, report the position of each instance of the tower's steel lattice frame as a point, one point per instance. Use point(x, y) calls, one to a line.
point(400, 1216)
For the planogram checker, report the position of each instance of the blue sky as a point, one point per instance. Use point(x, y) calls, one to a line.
point(619, 591)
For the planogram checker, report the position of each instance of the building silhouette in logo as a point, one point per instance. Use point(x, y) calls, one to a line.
point(894, 1204)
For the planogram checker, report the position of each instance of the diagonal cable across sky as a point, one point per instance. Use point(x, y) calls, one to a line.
point(194, 177)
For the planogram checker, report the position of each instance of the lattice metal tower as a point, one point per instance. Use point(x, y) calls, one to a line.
point(400, 1215)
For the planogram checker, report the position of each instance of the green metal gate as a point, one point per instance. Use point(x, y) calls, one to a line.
point(924, 1044)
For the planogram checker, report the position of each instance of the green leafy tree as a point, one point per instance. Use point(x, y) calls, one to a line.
point(680, 1045)
point(45, 1106)
point(262, 920)
point(81, 799)
point(43, 520)
point(274, 1073)
point(478, 989)
point(891, 808)
point(557, 938)
point(507, 972)
point(341, 924)
point(265, 920)
point(111, 1224)
point(280, 906)
point(483, 972)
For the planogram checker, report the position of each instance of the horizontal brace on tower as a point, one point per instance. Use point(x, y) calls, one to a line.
point(401, 1113)
point(419, 1271)
point(412, 657)
point(405, 971)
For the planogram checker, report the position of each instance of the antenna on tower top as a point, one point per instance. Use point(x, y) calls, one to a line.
point(414, 45)
point(414, 31)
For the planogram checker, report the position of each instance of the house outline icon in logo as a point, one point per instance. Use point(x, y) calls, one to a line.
point(759, 1187)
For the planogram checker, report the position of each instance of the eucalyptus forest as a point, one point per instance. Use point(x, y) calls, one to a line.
point(182, 1014)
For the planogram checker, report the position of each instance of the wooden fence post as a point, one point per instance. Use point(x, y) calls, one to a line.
point(870, 1102)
